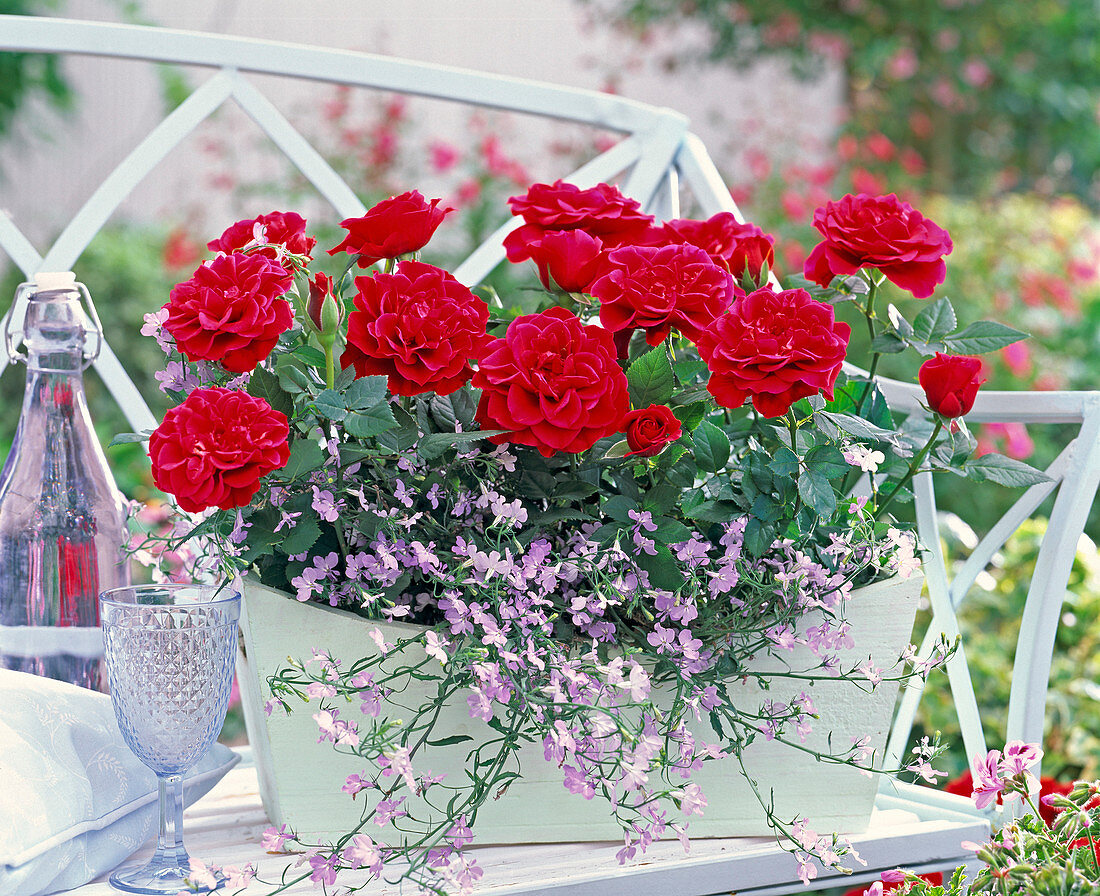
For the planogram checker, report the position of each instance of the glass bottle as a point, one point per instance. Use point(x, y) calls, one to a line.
point(62, 518)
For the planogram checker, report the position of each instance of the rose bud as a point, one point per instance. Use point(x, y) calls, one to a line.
point(950, 383)
point(649, 431)
point(324, 310)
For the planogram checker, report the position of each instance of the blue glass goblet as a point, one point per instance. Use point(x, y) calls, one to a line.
point(169, 653)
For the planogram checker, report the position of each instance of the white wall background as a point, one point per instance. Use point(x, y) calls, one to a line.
point(54, 163)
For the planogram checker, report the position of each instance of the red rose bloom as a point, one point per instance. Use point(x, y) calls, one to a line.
point(601, 211)
point(320, 288)
point(553, 383)
point(271, 231)
point(648, 431)
point(418, 326)
point(775, 347)
point(950, 383)
point(570, 258)
point(231, 310)
point(879, 232)
point(212, 450)
point(394, 227)
point(658, 288)
point(730, 244)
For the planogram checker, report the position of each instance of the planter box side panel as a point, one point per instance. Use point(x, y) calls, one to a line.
point(304, 778)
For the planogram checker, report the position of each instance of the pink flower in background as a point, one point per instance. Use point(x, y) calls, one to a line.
point(444, 156)
point(1017, 358)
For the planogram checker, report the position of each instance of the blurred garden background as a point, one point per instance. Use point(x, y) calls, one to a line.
point(984, 115)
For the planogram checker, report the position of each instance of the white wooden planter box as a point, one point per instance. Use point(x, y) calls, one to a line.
point(300, 778)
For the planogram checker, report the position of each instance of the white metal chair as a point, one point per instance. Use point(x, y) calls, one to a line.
point(656, 158)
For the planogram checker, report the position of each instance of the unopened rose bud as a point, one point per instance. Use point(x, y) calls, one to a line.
point(323, 309)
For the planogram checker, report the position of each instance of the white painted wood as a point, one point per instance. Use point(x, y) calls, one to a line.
point(301, 779)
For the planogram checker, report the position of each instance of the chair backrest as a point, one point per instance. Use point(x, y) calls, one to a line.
point(655, 161)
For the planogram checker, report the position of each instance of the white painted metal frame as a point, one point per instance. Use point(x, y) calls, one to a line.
point(658, 156)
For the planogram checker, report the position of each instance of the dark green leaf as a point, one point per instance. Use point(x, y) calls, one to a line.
point(934, 322)
point(303, 536)
point(435, 443)
point(330, 405)
point(619, 449)
point(651, 379)
point(817, 492)
point(712, 512)
point(712, 447)
point(305, 457)
point(310, 355)
point(450, 741)
point(669, 531)
point(664, 572)
point(366, 392)
point(574, 488)
point(785, 462)
point(265, 384)
point(618, 507)
point(828, 460)
point(691, 415)
point(369, 423)
point(983, 336)
point(1005, 471)
point(860, 428)
point(759, 537)
point(688, 370)
point(888, 344)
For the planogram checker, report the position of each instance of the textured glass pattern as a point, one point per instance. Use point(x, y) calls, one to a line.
point(170, 669)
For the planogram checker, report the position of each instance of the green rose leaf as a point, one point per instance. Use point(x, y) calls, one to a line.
point(983, 336)
point(828, 460)
point(651, 379)
point(785, 462)
point(817, 492)
point(265, 384)
point(712, 447)
point(366, 392)
point(306, 531)
point(435, 443)
point(372, 422)
point(1004, 470)
point(305, 457)
point(330, 405)
point(934, 322)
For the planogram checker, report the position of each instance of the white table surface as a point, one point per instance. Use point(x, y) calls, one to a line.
point(226, 827)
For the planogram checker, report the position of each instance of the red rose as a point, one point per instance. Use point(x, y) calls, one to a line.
point(571, 258)
point(950, 383)
point(231, 310)
point(601, 212)
point(649, 430)
point(933, 877)
point(553, 383)
point(418, 326)
point(730, 244)
point(775, 347)
point(879, 232)
point(270, 233)
point(212, 450)
point(394, 227)
point(658, 288)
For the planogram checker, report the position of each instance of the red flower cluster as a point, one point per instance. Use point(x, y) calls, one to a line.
point(212, 450)
point(392, 228)
point(231, 310)
point(737, 247)
point(271, 233)
point(568, 229)
point(552, 382)
point(879, 232)
point(656, 289)
point(419, 326)
point(775, 347)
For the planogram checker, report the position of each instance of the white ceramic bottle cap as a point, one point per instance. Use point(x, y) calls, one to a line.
point(47, 280)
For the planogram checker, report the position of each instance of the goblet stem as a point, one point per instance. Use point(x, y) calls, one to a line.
point(170, 849)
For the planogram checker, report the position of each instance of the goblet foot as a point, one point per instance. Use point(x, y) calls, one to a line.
point(165, 875)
